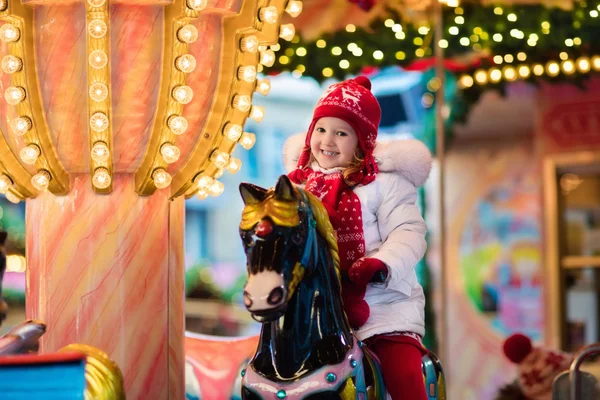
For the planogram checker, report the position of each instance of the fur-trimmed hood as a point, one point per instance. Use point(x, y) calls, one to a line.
point(409, 158)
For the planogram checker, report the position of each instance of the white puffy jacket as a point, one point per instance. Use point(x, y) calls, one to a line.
point(394, 233)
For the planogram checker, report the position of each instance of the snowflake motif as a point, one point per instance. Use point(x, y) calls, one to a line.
point(361, 248)
point(350, 255)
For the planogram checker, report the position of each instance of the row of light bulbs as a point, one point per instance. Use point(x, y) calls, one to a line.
point(210, 185)
point(14, 95)
point(509, 73)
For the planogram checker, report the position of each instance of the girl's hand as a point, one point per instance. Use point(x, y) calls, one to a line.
point(366, 270)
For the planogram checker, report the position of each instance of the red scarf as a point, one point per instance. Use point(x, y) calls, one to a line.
point(343, 207)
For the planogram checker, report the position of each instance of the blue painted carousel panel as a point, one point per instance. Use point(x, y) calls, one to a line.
point(57, 379)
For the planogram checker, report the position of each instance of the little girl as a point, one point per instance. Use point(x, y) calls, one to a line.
point(380, 231)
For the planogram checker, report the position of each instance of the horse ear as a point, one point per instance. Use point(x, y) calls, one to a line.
point(252, 194)
point(285, 189)
point(3, 236)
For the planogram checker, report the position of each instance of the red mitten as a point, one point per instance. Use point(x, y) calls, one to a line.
point(365, 270)
point(356, 307)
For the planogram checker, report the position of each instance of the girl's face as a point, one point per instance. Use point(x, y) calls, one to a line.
point(333, 142)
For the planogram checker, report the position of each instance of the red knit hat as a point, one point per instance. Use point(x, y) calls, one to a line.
point(537, 367)
point(353, 102)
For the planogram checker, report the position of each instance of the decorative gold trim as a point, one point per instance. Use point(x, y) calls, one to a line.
point(555, 332)
point(22, 17)
point(177, 15)
point(222, 111)
point(10, 165)
point(99, 76)
point(580, 262)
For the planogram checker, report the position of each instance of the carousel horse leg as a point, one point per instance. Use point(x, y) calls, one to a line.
point(401, 366)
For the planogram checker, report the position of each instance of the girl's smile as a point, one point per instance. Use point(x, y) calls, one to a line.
point(333, 143)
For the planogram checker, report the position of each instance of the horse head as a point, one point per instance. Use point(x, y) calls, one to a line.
point(276, 228)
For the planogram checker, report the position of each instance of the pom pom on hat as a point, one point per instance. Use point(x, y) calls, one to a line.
point(363, 81)
point(517, 347)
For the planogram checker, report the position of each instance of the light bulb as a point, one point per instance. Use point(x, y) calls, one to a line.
point(203, 181)
point(41, 180)
point(596, 63)
point(98, 92)
point(96, 3)
point(100, 152)
point(188, 34)
point(170, 152)
point(249, 44)
point(183, 94)
point(263, 86)
point(99, 122)
point(233, 131)
point(186, 63)
point(268, 14)
point(101, 178)
point(552, 68)
point(267, 58)
point(287, 32)
point(9, 33)
point(583, 64)
point(162, 178)
point(98, 59)
point(97, 28)
point(257, 113)
point(3, 5)
point(524, 71)
point(177, 124)
point(242, 102)
point(197, 5)
point(30, 154)
point(10, 196)
point(247, 73)
point(216, 189)
point(568, 67)
point(14, 95)
point(247, 141)
point(220, 158)
point(219, 173)
point(510, 74)
point(202, 194)
point(20, 125)
point(11, 64)
point(5, 183)
point(234, 165)
point(294, 8)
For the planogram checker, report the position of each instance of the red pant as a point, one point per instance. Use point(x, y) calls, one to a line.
point(400, 358)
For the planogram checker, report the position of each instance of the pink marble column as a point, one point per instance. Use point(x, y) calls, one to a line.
point(108, 271)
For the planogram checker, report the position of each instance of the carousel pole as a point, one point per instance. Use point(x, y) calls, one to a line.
point(440, 155)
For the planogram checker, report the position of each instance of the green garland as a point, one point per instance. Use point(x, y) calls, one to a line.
point(528, 34)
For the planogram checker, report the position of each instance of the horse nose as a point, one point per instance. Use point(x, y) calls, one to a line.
point(276, 296)
point(263, 228)
point(264, 290)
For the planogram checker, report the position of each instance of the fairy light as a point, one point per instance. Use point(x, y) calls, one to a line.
point(101, 179)
point(242, 102)
point(41, 180)
point(197, 5)
point(568, 67)
point(268, 14)
point(336, 51)
point(247, 140)
point(21, 125)
point(538, 70)
point(466, 81)
point(524, 71)
point(100, 152)
point(177, 124)
point(220, 158)
point(257, 113)
point(495, 75)
point(596, 63)
point(162, 178)
point(186, 63)
point(14, 95)
point(510, 74)
point(521, 56)
point(552, 68)
point(170, 152)
point(267, 58)
point(249, 44)
point(498, 60)
point(247, 73)
point(29, 154)
point(300, 51)
point(188, 34)
point(98, 92)
point(235, 164)
point(481, 77)
point(287, 32)
point(9, 33)
point(263, 86)
point(583, 64)
point(97, 28)
point(294, 8)
point(183, 94)
point(99, 122)
point(11, 64)
point(5, 183)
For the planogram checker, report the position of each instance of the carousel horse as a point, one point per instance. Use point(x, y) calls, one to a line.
point(306, 348)
point(3, 305)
